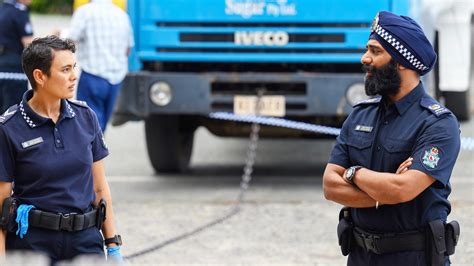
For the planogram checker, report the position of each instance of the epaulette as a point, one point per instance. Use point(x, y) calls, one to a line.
point(78, 103)
point(435, 107)
point(8, 114)
point(369, 101)
point(20, 6)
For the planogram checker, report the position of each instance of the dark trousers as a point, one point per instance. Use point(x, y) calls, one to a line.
point(359, 257)
point(11, 92)
point(99, 94)
point(58, 245)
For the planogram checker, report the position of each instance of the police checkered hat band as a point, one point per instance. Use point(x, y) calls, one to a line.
point(400, 48)
point(404, 40)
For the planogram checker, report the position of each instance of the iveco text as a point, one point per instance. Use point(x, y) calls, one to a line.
point(263, 38)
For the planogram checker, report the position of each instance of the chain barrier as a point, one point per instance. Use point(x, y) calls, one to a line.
point(256, 120)
point(13, 76)
point(244, 184)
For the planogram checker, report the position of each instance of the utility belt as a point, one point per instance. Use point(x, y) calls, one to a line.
point(6, 50)
point(72, 222)
point(438, 239)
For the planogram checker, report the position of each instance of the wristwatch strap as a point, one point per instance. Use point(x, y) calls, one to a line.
point(117, 239)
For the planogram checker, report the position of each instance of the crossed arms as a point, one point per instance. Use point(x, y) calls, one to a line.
point(372, 186)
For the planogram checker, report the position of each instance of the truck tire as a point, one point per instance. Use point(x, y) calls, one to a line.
point(458, 103)
point(169, 145)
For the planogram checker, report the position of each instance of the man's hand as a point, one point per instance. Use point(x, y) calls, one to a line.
point(404, 166)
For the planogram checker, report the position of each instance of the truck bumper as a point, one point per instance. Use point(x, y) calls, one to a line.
point(306, 94)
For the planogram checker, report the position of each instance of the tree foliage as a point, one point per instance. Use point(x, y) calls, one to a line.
point(51, 6)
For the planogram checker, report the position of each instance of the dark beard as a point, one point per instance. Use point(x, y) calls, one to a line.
point(384, 81)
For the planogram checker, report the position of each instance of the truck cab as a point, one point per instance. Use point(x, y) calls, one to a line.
point(193, 58)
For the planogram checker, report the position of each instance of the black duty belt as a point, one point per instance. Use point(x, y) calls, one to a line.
point(388, 243)
point(62, 222)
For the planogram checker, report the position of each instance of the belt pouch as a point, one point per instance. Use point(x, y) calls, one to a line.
point(452, 237)
point(8, 215)
point(344, 232)
point(101, 213)
point(436, 246)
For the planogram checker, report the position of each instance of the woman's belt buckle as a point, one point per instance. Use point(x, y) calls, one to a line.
point(66, 222)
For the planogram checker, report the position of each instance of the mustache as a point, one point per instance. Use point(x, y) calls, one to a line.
point(368, 69)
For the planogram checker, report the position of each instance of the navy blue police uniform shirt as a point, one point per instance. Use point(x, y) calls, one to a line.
point(380, 138)
point(51, 164)
point(15, 24)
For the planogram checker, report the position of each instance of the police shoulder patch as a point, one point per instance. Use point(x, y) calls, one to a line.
point(433, 106)
point(78, 103)
point(431, 157)
point(8, 114)
point(369, 101)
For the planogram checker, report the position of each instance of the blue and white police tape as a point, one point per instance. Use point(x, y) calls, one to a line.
point(277, 122)
point(467, 143)
point(13, 76)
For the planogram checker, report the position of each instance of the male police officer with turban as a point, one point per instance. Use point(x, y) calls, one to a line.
point(393, 159)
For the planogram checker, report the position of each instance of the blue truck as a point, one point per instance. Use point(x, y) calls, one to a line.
point(196, 57)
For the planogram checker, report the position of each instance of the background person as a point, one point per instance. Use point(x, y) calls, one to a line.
point(15, 33)
point(103, 34)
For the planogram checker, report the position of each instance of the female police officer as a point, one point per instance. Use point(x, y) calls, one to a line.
point(52, 148)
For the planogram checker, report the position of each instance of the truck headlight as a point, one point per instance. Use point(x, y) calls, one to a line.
point(160, 93)
point(356, 93)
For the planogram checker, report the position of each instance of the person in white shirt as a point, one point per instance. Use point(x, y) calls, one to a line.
point(103, 34)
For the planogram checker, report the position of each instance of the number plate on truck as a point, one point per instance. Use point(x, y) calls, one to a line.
point(269, 105)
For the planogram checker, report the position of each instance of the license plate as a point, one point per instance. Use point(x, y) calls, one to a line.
point(269, 105)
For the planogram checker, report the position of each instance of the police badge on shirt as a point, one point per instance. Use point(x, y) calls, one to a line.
point(431, 157)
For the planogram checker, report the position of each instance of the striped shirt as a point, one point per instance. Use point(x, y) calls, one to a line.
point(103, 34)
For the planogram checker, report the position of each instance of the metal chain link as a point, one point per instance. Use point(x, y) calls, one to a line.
point(244, 185)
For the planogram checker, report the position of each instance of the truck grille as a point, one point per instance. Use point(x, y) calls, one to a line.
point(293, 37)
point(262, 50)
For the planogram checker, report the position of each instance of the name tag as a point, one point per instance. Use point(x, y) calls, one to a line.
point(31, 142)
point(364, 128)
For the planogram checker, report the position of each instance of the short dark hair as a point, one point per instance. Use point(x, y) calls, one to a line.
point(39, 55)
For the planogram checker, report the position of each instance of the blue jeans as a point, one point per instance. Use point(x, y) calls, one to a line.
point(99, 94)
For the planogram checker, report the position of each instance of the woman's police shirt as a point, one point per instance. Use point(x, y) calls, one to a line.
point(381, 137)
point(51, 164)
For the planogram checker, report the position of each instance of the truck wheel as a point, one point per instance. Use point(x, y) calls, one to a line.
point(458, 103)
point(169, 145)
